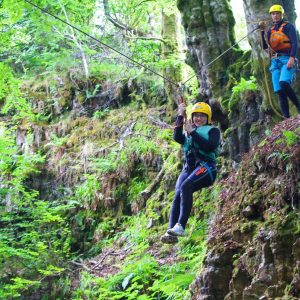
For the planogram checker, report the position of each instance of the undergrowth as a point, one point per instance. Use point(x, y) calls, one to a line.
point(145, 273)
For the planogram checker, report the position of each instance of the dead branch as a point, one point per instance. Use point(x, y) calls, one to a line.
point(146, 38)
point(148, 191)
point(113, 253)
point(160, 123)
point(82, 265)
point(126, 133)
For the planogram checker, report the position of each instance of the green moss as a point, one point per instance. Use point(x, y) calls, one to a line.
point(228, 132)
point(255, 198)
point(255, 129)
point(81, 98)
point(249, 227)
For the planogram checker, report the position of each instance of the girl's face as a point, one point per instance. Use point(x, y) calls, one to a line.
point(199, 119)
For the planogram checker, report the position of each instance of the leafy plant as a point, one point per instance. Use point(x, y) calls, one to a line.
point(291, 138)
point(87, 192)
point(245, 85)
point(100, 114)
point(136, 187)
point(34, 236)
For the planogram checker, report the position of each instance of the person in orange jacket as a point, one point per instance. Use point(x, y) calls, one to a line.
point(282, 44)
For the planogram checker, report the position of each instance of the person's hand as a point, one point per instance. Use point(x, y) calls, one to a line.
point(290, 62)
point(181, 109)
point(189, 127)
point(262, 25)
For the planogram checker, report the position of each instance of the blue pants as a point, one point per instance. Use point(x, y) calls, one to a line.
point(282, 78)
point(280, 72)
point(187, 183)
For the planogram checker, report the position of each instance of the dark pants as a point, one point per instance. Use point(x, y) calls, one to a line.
point(285, 93)
point(187, 183)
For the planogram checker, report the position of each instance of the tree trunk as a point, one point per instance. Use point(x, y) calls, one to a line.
point(209, 27)
point(170, 52)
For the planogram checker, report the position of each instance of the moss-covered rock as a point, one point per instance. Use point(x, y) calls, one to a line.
point(257, 223)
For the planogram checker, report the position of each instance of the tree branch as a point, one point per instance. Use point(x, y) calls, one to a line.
point(117, 23)
point(146, 38)
point(77, 42)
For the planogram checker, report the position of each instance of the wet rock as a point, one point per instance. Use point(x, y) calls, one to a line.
point(250, 212)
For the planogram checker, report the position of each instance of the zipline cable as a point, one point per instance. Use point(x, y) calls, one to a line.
point(100, 42)
point(205, 66)
point(126, 56)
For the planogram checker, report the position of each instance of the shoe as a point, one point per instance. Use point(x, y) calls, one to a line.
point(169, 239)
point(177, 230)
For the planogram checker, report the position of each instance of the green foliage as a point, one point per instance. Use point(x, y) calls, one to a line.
point(34, 236)
point(107, 164)
point(15, 104)
point(291, 138)
point(86, 193)
point(137, 185)
point(241, 87)
point(101, 114)
point(165, 135)
point(57, 141)
point(142, 145)
point(147, 51)
point(245, 85)
point(140, 275)
point(37, 40)
point(15, 168)
point(7, 81)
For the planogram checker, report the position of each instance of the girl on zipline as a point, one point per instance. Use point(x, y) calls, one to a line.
point(200, 143)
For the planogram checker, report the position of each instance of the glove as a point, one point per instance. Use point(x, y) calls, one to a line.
point(262, 25)
point(181, 109)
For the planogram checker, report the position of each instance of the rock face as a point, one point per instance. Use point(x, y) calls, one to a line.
point(209, 32)
point(253, 245)
point(245, 125)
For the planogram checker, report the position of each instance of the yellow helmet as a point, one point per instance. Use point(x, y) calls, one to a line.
point(276, 8)
point(204, 108)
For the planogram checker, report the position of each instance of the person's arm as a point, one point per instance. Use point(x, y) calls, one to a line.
point(262, 26)
point(207, 145)
point(178, 135)
point(294, 44)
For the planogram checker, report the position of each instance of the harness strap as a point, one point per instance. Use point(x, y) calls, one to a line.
point(208, 168)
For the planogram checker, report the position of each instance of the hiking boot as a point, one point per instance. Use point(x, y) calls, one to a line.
point(169, 239)
point(177, 230)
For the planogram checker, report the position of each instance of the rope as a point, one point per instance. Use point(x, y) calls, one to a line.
point(267, 82)
point(100, 42)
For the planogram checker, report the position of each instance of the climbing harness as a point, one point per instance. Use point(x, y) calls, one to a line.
point(126, 56)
